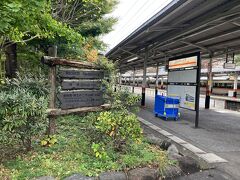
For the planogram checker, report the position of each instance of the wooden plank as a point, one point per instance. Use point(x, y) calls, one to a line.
point(80, 98)
point(81, 74)
point(53, 61)
point(58, 112)
point(80, 84)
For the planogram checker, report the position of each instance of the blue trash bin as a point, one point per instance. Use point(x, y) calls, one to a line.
point(167, 107)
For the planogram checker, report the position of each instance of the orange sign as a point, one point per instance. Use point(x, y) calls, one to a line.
point(183, 63)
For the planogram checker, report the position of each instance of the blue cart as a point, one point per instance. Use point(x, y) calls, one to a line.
point(167, 107)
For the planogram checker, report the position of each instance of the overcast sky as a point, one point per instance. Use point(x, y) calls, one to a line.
point(131, 14)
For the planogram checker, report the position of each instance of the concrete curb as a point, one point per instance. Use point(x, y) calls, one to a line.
point(205, 160)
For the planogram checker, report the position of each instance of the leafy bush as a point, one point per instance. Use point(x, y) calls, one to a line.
point(22, 115)
point(36, 84)
point(22, 110)
point(120, 100)
point(113, 128)
point(124, 100)
point(117, 126)
point(120, 127)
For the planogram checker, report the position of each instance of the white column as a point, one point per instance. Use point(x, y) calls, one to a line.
point(161, 84)
point(235, 84)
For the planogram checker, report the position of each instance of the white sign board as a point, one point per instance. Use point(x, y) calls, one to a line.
point(187, 76)
point(229, 65)
point(187, 95)
point(183, 80)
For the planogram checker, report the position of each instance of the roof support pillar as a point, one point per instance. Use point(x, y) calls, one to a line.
point(156, 85)
point(134, 75)
point(144, 82)
point(209, 83)
point(161, 83)
point(116, 82)
point(235, 84)
point(120, 81)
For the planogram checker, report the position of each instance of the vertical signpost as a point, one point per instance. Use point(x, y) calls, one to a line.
point(184, 81)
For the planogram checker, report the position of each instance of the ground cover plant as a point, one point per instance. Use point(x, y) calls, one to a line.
point(75, 151)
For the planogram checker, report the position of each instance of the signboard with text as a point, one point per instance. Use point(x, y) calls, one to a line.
point(80, 88)
point(187, 95)
point(184, 79)
point(183, 63)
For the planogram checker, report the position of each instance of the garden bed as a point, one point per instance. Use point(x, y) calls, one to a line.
point(72, 151)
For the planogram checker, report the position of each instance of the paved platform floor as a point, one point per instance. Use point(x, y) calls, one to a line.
point(218, 132)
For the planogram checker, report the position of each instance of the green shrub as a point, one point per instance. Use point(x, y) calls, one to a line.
point(36, 84)
point(120, 100)
point(125, 100)
point(120, 127)
point(22, 115)
point(23, 106)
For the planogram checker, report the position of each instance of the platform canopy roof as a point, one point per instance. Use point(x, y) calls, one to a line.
point(183, 26)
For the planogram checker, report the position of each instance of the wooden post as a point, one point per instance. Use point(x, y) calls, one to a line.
point(11, 60)
point(52, 51)
point(52, 119)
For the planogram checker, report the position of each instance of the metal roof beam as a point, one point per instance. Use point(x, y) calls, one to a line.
point(198, 32)
point(164, 28)
point(196, 45)
point(206, 19)
point(127, 58)
point(204, 23)
point(150, 57)
point(204, 30)
point(131, 53)
point(153, 61)
point(236, 24)
point(209, 38)
point(194, 31)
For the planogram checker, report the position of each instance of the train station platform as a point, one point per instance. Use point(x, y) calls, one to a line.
point(216, 102)
point(218, 132)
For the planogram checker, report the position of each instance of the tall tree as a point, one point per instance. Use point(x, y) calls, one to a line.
point(24, 20)
point(73, 25)
point(88, 17)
